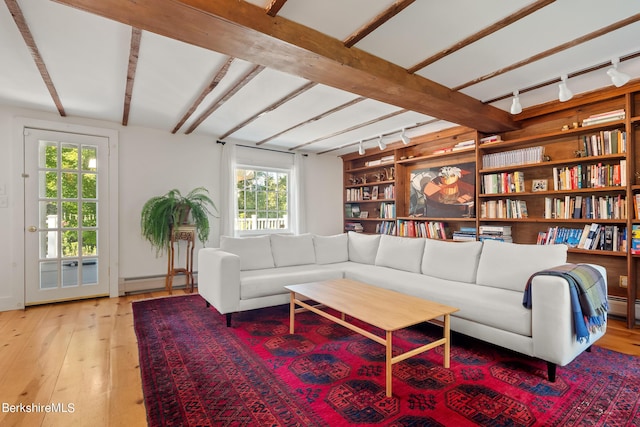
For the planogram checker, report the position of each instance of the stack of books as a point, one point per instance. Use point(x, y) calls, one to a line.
point(521, 156)
point(353, 226)
point(490, 139)
point(465, 234)
point(496, 232)
point(609, 116)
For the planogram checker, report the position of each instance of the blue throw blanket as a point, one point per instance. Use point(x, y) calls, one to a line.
point(588, 296)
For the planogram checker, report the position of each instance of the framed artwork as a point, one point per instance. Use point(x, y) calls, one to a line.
point(364, 214)
point(374, 193)
point(443, 191)
point(539, 185)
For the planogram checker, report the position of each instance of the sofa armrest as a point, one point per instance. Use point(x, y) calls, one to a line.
point(219, 279)
point(554, 338)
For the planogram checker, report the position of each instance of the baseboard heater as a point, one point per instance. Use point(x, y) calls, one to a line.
point(618, 307)
point(131, 285)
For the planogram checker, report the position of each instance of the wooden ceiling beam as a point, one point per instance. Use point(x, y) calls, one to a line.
point(243, 30)
point(514, 17)
point(573, 43)
point(23, 27)
point(376, 22)
point(270, 108)
point(314, 119)
point(215, 80)
point(225, 97)
point(274, 7)
point(352, 128)
point(134, 50)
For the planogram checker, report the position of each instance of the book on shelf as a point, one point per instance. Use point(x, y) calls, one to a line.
point(353, 226)
point(635, 239)
point(586, 207)
point(465, 234)
point(605, 142)
point(506, 208)
point(386, 227)
point(490, 138)
point(520, 156)
point(636, 205)
point(504, 182)
point(596, 175)
point(604, 117)
point(504, 230)
point(387, 210)
point(425, 229)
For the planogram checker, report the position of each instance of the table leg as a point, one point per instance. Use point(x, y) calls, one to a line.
point(447, 341)
point(292, 312)
point(389, 365)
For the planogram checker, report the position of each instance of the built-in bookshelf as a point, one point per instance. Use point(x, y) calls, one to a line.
point(570, 174)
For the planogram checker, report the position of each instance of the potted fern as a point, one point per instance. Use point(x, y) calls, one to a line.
point(160, 214)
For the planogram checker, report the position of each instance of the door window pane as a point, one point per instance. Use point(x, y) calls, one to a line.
point(49, 275)
point(69, 185)
point(69, 156)
point(89, 271)
point(89, 185)
point(89, 243)
point(69, 215)
point(48, 244)
point(70, 272)
point(70, 243)
point(89, 216)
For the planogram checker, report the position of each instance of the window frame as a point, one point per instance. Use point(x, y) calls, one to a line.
point(257, 168)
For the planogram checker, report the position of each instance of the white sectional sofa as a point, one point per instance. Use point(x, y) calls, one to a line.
point(485, 280)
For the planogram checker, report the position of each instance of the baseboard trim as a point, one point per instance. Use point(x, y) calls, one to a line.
point(133, 285)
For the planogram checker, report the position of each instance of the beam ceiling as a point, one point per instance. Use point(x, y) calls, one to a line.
point(245, 31)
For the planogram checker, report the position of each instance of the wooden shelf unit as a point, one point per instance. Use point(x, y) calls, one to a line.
point(558, 128)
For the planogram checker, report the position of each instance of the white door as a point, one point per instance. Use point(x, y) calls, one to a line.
point(66, 216)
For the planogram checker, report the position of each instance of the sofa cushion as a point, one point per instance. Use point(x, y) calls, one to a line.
point(400, 253)
point(363, 247)
point(451, 260)
point(331, 249)
point(292, 250)
point(271, 281)
point(509, 265)
point(254, 252)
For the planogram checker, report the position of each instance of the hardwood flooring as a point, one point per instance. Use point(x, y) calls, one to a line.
point(83, 355)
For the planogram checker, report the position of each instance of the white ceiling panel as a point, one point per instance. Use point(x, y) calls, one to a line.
point(87, 58)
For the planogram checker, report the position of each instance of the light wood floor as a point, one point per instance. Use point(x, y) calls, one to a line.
point(85, 354)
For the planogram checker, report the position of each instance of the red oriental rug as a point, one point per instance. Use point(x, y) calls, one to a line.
point(197, 372)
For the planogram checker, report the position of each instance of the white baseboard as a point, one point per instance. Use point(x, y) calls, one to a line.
point(618, 307)
point(149, 283)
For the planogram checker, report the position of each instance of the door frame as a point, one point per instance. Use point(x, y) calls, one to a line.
point(18, 203)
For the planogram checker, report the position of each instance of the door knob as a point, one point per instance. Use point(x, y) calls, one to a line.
point(32, 228)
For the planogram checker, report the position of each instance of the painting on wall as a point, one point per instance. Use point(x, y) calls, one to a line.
point(443, 192)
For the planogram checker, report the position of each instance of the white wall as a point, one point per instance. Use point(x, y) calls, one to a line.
point(151, 162)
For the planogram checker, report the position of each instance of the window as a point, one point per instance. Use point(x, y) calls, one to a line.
point(262, 200)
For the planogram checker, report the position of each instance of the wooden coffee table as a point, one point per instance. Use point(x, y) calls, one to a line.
point(379, 307)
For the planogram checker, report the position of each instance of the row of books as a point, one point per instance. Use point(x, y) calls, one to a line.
point(506, 208)
point(608, 116)
point(605, 142)
point(386, 227)
point(428, 229)
point(590, 176)
point(586, 207)
point(370, 193)
point(592, 237)
point(521, 156)
point(636, 205)
point(502, 183)
point(387, 210)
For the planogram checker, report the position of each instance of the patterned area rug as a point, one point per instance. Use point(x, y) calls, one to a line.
point(198, 372)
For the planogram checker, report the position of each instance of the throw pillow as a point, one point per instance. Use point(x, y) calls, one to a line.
point(331, 249)
point(292, 249)
point(363, 247)
point(400, 253)
point(254, 252)
point(451, 260)
point(509, 265)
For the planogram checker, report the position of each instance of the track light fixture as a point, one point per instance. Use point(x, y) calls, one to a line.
point(405, 139)
point(564, 94)
point(360, 148)
point(516, 107)
point(381, 144)
point(617, 78)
